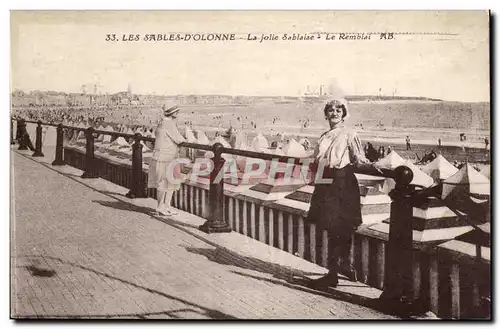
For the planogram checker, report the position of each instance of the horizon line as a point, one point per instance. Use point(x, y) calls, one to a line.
point(247, 95)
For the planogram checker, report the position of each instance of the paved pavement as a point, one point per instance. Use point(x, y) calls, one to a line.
point(79, 249)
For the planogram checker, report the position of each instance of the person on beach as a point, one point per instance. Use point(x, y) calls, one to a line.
point(381, 152)
point(408, 145)
point(371, 154)
point(439, 142)
point(335, 204)
point(166, 150)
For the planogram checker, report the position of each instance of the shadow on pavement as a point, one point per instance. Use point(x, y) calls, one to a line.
point(120, 205)
point(285, 276)
point(227, 257)
point(303, 285)
point(41, 272)
point(201, 310)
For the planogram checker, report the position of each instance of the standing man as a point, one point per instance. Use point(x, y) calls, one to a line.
point(408, 145)
point(439, 142)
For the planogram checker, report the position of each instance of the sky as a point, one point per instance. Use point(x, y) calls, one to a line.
point(64, 50)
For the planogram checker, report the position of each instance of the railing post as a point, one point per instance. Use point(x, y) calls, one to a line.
point(59, 146)
point(216, 223)
point(138, 188)
point(90, 171)
point(38, 142)
point(21, 133)
point(398, 284)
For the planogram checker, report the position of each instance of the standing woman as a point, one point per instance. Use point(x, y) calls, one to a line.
point(335, 204)
point(165, 151)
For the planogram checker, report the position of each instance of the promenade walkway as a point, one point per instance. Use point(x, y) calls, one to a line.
point(80, 249)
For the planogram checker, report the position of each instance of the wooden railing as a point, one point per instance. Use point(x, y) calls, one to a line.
point(395, 270)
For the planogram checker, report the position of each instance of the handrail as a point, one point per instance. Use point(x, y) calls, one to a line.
point(43, 123)
point(238, 152)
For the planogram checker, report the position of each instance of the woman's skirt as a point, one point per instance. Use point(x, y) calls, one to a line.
point(159, 178)
point(336, 206)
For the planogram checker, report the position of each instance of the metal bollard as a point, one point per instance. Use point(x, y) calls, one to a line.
point(138, 188)
point(398, 284)
point(216, 222)
point(90, 171)
point(38, 142)
point(59, 146)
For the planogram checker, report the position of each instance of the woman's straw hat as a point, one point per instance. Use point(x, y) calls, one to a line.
point(168, 110)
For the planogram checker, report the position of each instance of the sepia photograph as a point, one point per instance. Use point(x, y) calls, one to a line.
point(250, 164)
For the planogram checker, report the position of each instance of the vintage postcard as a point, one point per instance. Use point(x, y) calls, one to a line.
point(250, 165)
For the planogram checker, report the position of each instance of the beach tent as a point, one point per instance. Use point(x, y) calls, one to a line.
point(140, 130)
point(31, 129)
point(225, 143)
point(294, 149)
point(440, 168)
point(202, 138)
point(145, 148)
point(419, 178)
point(150, 134)
point(391, 161)
point(468, 191)
point(259, 143)
point(305, 143)
point(120, 142)
point(81, 133)
point(467, 181)
point(50, 136)
point(486, 171)
point(189, 135)
point(278, 151)
point(242, 160)
point(472, 242)
point(77, 134)
point(107, 138)
point(241, 143)
point(190, 138)
point(131, 132)
point(240, 140)
point(222, 140)
point(100, 138)
point(295, 169)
